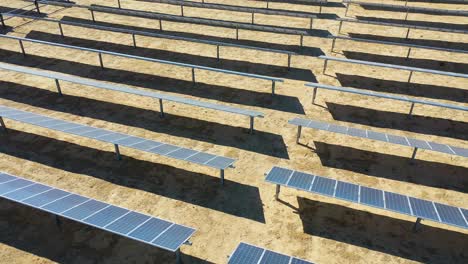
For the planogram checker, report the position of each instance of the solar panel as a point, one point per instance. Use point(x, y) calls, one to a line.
point(403, 204)
point(383, 137)
point(217, 162)
point(386, 96)
point(129, 90)
point(406, 8)
point(393, 66)
point(121, 221)
point(249, 254)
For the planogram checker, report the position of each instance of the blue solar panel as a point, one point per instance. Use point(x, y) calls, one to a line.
point(106, 216)
point(84, 210)
point(173, 237)
point(423, 208)
point(301, 180)
point(371, 197)
point(246, 254)
point(145, 145)
point(397, 202)
point(164, 149)
point(377, 136)
point(150, 229)
point(279, 175)
point(270, 257)
point(182, 153)
point(397, 140)
point(323, 186)
point(121, 221)
point(299, 261)
point(450, 214)
point(338, 129)
point(347, 191)
point(129, 141)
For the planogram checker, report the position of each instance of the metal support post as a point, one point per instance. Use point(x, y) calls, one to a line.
point(314, 95)
point(409, 77)
point(57, 221)
point(411, 109)
point(182, 10)
point(217, 52)
point(118, 3)
point(100, 60)
point(268, 4)
point(339, 28)
point(61, 29)
point(22, 47)
point(57, 84)
point(409, 52)
point(253, 18)
point(273, 87)
point(161, 108)
point(117, 152)
point(289, 61)
point(160, 25)
point(251, 125)
point(414, 153)
point(333, 45)
point(299, 131)
point(311, 22)
point(407, 33)
point(278, 187)
point(347, 8)
point(37, 6)
point(134, 40)
point(2, 20)
point(320, 9)
point(237, 33)
point(325, 66)
point(2, 124)
point(406, 16)
point(178, 257)
point(221, 175)
point(415, 227)
point(301, 41)
point(193, 75)
point(92, 15)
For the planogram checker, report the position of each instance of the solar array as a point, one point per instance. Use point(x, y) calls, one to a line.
point(392, 66)
point(119, 139)
point(127, 223)
point(127, 89)
point(382, 95)
point(419, 208)
point(192, 66)
point(249, 254)
point(414, 9)
point(364, 133)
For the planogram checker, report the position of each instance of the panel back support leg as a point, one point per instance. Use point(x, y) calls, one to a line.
point(2, 21)
point(59, 90)
point(333, 45)
point(289, 62)
point(299, 131)
point(410, 76)
point(314, 95)
point(134, 40)
point(2, 124)
point(61, 29)
point(117, 151)
point(160, 25)
point(311, 23)
point(101, 63)
point(278, 188)
point(273, 83)
point(193, 76)
point(118, 4)
point(178, 256)
point(414, 153)
point(339, 27)
point(411, 110)
point(325, 64)
point(251, 130)
point(347, 8)
point(221, 176)
point(416, 225)
point(407, 33)
point(92, 16)
point(22, 47)
point(217, 53)
point(37, 6)
point(161, 108)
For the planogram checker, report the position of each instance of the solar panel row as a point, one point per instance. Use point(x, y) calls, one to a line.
point(399, 203)
point(382, 95)
point(129, 90)
point(405, 8)
point(364, 133)
point(116, 138)
point(144, 228)
point(249, 254)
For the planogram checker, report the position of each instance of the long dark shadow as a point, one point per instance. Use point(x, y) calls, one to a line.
point(399, 87)
point(305, 50)
point(175, 125)
point(382, 233)
point(190, 187)
point(439, 65)
point(423, 42)
point(227, 64)
point(398, 168)
point(415, 23)
point(166, 84)
point(26, 229)
point(401, 121)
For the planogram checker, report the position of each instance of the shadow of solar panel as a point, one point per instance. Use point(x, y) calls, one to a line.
point(65, 203)
point(323, 186)
point(301, 180)
point(279, 175)
point(6, 177)
point(246, 254)
point(127, 223)
point(423, 208)
point(27, 192)
point(372, 197)
point(45, 198)
point(397, 202)
point(270, 257)
point(84, 210)
point(397, 140)
point(13, 185)
point(150, 229)
point(451, 215)
point(173, 237)
point(106, 216)
point(347, 191)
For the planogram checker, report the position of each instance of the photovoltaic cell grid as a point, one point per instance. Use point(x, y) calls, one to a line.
point(118, 220)
point(403, 204)
point(143, 144)
point(249, 254)
point(405, 141)
point(415, 9)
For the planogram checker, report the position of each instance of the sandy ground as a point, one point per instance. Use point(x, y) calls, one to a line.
point(309, 226)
